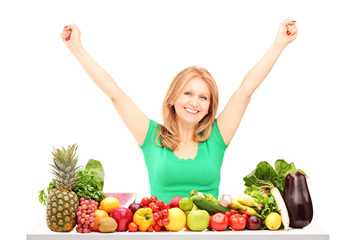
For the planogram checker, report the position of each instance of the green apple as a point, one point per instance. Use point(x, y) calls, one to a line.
point(198, 220)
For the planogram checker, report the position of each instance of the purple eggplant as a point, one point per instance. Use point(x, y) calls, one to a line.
point(297, 199)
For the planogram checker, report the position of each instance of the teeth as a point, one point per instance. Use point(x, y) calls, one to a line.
point(192, 111)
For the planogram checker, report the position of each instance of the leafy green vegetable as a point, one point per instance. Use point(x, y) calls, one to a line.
point(43, 195)
point(96, 167)
point(265, 199)
point(262, 198)
point(282, 168)
point(87, 186)
point(264, 171)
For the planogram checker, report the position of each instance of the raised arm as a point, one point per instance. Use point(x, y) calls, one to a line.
point(230, 118)
point(135, 120)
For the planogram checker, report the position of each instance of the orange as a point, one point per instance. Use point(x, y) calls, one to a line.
point(177, 219)
point(99, 214)
point(108, 204)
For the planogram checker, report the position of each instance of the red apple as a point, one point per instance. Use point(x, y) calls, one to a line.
point(175, 202)
point(123, 216)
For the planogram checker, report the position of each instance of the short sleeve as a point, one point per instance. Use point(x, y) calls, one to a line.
point(217, 135)
point(151, 134)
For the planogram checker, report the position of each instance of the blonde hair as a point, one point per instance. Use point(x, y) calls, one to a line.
point(169, 132)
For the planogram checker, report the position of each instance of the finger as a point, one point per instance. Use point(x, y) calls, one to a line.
point(289, 22)
point(291, 27)
point(72, 26)
point(293, 32)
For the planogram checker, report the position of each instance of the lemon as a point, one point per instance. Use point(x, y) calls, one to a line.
point(177, 219)
point(108, 204)
point(273, 221)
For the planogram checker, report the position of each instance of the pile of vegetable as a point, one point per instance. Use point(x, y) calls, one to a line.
point(287, 186)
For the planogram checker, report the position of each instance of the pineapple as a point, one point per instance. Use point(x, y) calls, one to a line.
point(62, 203)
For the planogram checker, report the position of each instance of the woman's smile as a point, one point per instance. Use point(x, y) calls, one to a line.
point(192, 111)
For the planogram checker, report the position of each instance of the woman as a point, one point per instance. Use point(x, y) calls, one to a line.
point(186, 152)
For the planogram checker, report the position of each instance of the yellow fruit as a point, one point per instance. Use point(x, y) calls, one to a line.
point(273, 221)
point(177, 219)
point(108, 204)
point(107, 225)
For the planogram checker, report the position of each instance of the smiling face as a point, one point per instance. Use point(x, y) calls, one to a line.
point(193, 102)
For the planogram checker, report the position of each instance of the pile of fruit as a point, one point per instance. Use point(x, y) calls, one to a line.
point(88, 209)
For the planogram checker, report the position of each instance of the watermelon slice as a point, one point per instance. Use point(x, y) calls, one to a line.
point(125, 199)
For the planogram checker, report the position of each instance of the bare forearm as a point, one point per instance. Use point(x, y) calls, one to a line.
point(100, 77)
point(260, 71)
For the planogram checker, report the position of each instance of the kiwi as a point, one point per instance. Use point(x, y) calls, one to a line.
point(107, 225)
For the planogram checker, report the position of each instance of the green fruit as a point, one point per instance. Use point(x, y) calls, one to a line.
point(198, 220)
point(186, 204)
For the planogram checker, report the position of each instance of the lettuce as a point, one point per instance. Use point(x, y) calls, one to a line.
point(95, 167)
point(264, 171)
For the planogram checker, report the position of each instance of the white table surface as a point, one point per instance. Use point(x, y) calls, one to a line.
point(311, 232)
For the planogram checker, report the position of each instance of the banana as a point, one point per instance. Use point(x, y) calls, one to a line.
point(236, 205)
point(247, 200)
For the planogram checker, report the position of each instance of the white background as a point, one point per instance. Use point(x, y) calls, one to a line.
point(306, 111)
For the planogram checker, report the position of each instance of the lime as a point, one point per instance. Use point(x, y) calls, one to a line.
point(186, 204)
point(273, 221)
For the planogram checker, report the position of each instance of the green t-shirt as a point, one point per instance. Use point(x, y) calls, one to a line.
point(170, 176)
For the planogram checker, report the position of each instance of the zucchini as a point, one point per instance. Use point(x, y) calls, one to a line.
point(207, 205)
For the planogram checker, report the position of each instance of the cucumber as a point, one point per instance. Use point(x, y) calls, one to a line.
point(207, 205)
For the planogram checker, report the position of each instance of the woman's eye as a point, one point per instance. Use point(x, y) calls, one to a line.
point(187, 93)
point(203, 97)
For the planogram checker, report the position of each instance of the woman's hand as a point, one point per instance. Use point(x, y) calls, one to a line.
point(287, 32)
point(71, 35)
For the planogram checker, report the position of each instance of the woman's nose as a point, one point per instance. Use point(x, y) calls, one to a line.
point(194, 102)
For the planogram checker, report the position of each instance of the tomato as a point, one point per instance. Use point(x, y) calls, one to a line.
point(237, 222)
point(150, 228)
point(166, 221)
point(228, 214)
point(160, 203)
point(245, 216)
point(232, 212)
point(145, 201)
point(153, 199)
point(157, 228)
point(219, 222)
point(156, 216)
point(165, 212)
point(160, 222)
point(264, 191)
point(133, 227)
